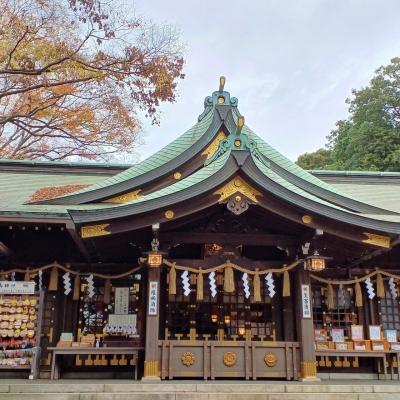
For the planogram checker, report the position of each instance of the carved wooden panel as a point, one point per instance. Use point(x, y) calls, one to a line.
point(229, 359)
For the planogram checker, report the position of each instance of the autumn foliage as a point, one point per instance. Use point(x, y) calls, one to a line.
point(74, 73)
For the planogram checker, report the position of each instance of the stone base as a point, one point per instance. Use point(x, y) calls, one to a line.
point(151, 379)
point(310, 379)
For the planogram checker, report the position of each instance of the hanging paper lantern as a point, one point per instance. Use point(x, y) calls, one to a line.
point(213, 284)
point(185, 283)
point(370, 288)
point(269, 280)
point(246, 286)
point(67, 283)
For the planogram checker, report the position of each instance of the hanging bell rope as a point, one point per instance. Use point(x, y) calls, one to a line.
point(330, 300)
point(380, 286)
point(257, 287)
point(199, 287)
point(172, 281)
point(77, 288)
point(27, 276)
point(359, 297)
point(229, 281)
point(107, 291)
point(53, 283)
point(286, 284)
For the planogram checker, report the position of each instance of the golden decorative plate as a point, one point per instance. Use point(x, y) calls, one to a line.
point(229, 358)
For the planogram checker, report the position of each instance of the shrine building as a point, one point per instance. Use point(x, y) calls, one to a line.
point(216, 257)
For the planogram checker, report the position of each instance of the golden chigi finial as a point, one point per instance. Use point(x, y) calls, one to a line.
point(221, 83)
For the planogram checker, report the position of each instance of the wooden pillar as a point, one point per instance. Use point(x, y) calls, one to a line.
point(288, 319)
point(305, 325)
point(192, 309)
point(151, 359)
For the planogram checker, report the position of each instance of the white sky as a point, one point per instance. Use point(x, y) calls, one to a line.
point(290, 63)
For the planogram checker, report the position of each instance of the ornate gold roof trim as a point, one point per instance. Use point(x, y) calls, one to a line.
point(212, 148)
point(237, 185)
point(94, 230)
point(124, 198)
point(377, 240)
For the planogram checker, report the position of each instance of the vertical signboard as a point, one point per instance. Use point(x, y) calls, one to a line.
point(153, 297)
point(306, 301)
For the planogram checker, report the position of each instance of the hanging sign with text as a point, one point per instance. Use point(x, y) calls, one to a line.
point(153, 297)
point(17, 287)
point(121, 300)
point(306, 301)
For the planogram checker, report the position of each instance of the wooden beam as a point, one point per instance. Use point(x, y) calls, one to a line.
point(248, 239)
point(4, 249)
point(77, 240)
point(373, 254)
point(315, 221)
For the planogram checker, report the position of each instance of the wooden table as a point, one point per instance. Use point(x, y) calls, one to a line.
point(397, 354)
point(76, 351)
point(358, 353)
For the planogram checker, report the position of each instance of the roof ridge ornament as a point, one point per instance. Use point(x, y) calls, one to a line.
point(236, 140)
point(218, 98)
point(221, 83)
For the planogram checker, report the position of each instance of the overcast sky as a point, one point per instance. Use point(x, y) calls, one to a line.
point(290, 63)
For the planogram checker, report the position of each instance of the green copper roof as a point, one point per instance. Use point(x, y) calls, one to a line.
point(172, 150)
point(18, 187)
point(220, 108)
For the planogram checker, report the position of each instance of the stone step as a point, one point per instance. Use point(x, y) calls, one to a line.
point(197, 396)
point(235, 390)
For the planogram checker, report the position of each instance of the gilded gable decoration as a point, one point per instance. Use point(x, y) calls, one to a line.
point(94, 230)
point(377, 240)
point(212, 148)
point(237, 185)
point(125, 198)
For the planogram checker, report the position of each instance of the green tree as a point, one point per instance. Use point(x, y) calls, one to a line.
point(320, 159)
point(369, 139)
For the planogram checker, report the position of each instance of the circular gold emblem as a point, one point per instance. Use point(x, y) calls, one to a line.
point(229, 358)
point(307, 219)
point(177, 176)
point(270, 360)
point(188, 358)
point(169, 214)
point(237, 143)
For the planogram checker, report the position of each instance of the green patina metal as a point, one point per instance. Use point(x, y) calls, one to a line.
point(220, 112)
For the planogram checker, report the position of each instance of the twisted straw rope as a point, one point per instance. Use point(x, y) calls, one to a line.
point(234, 266)
point(66, 269)
point(355, 280)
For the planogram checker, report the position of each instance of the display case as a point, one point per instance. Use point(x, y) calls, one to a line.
point(20, 319)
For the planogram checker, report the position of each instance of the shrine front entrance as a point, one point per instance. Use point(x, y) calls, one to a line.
point(209, 330)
